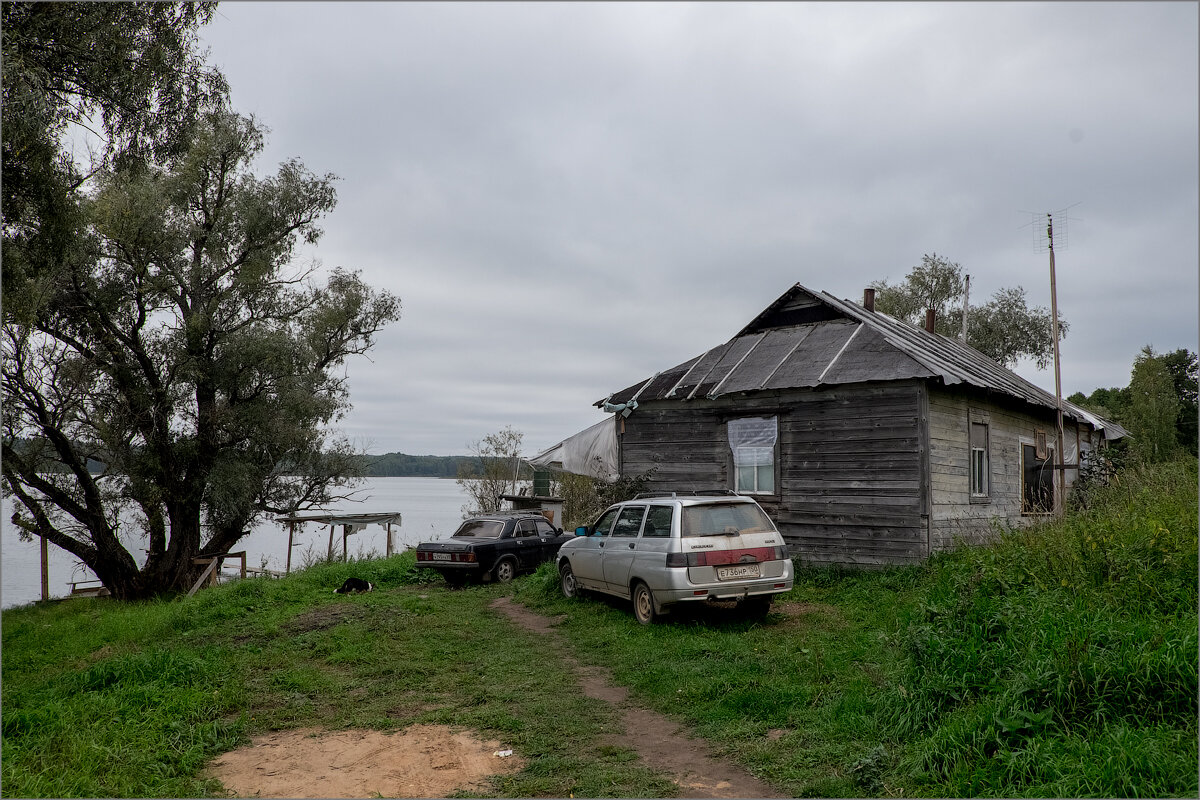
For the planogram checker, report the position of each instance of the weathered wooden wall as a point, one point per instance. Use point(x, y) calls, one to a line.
point(851, 481)
point(956, 515)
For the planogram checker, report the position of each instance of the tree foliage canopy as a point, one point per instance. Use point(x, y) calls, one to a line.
point(1005, 328)
point(155, 322)
point(130, 69)
point(1143, 414)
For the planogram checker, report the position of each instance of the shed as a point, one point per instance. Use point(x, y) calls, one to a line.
point(868, 440)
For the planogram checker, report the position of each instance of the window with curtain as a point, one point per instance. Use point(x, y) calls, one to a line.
point(752, 442)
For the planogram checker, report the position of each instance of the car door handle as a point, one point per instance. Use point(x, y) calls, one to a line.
point(631, 545)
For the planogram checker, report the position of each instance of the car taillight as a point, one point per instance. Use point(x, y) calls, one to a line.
point(722, 557)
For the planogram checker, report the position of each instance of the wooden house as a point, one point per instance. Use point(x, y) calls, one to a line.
point(868, 440)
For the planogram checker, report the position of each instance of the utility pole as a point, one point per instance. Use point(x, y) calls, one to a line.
point(1060, 468)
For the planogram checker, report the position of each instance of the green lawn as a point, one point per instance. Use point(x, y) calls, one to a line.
point(1042, 666)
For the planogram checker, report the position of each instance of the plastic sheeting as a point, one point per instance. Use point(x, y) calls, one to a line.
point(591, 452)
point(752, 440)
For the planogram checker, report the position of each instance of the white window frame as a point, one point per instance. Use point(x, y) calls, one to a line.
point(979, 458)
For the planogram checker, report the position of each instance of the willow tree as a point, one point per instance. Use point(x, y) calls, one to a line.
point(180, 374)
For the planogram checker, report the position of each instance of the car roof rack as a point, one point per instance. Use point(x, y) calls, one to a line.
point(527, 512)
point(694, 493)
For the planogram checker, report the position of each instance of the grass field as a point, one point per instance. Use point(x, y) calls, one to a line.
point(1060, 662)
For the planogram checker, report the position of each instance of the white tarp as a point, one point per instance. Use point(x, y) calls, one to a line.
point(591, 452)
point(752, 440)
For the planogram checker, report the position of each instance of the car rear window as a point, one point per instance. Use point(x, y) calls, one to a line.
point(719, 518)
point(481, 529)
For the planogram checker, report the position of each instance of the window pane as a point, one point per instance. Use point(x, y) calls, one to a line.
point(658, 522)
point(766, 478)
point(709, 520)
point(630, 521)
point(604, 525)
point(745, 479)
point(976, 472)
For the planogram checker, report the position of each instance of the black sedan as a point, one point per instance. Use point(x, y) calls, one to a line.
point(493, 547)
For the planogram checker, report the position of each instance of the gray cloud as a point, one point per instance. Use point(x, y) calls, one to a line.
point(571, 197)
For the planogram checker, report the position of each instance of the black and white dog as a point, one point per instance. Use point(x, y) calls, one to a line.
point(354, 586)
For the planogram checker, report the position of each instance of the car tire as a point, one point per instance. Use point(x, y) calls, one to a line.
point(567, 582)
point(505, 571)
point(643, 604)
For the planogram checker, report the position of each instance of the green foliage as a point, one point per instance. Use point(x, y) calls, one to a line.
point(1153, 408)
point(190, 358)
point(402, 465)
point(1148, 415)
point(132, 68)
point(1005, 328)
point(1182, 366)
point(1061, 639)
point(584, 497)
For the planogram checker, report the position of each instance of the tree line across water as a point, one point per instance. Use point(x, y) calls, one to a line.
point(401, 465)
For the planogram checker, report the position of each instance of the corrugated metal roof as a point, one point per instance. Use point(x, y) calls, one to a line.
point(807, 339)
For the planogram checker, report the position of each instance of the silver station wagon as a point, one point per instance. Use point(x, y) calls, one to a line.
point(665, 549)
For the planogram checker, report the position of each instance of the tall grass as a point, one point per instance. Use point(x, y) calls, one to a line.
point(1062, 660)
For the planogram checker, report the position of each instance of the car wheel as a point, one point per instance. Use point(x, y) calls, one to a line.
point(505, 571)
point(643, 604)
point(566, 579)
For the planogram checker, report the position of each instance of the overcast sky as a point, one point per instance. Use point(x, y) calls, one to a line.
point(568, 198)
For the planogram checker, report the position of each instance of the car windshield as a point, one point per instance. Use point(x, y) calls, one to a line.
point(480, 529)
point(721, 518)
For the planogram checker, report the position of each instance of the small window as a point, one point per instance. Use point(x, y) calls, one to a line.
point(980, 460)
point(752, 442)
point(658, 522)
point(630, 521)
point(527, 527)
point(544, 528)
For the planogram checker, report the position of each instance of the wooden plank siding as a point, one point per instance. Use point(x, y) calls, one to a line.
point(849, 479)
point(956, 516)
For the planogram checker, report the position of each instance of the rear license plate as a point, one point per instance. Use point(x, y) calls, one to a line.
point(738, 571)
point(441, 556)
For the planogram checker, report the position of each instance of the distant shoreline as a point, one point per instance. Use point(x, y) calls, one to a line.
point(401, 465)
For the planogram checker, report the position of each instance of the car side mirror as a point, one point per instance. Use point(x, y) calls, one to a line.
point(558, 531)
point(581, 530)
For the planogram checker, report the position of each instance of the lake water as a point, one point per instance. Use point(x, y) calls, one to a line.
point(431, 508)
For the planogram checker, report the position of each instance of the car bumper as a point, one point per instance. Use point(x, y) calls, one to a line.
point(700, 584)
point(456, 567)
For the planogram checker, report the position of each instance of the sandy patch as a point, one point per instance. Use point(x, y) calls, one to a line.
point(420, 761)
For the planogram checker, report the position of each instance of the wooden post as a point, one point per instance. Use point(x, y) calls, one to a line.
point(291, 534)
point(329, 550)
point(345, 537)
point(389, 540)
point(45, 570)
